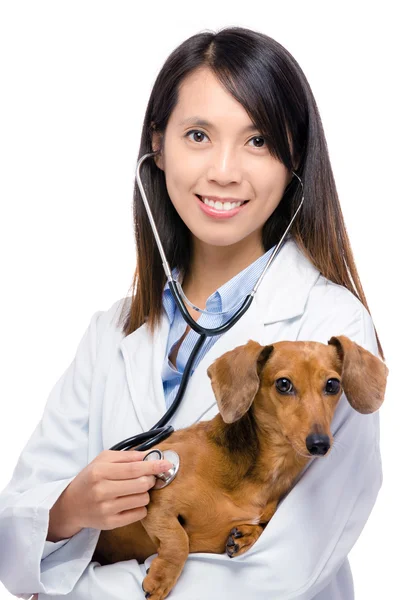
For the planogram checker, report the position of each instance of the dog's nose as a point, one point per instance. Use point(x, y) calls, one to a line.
point(317, 444)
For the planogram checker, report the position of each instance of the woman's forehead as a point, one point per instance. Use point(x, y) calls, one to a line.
point(203, 101)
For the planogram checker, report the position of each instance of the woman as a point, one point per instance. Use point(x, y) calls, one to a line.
point(231, 117)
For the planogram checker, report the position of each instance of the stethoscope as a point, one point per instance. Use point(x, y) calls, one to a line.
point(160, 431)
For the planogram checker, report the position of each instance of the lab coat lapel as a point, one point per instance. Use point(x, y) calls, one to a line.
point(282, 295)
point(143, 356)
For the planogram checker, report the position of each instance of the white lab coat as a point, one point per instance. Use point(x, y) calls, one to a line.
point(113, 390)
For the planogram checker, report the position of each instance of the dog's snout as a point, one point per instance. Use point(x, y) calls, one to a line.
point(317, 444)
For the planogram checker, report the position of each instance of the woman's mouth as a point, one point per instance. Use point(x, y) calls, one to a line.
point(218, 209)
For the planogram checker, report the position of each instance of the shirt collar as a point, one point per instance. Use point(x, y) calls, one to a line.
point(227, 295)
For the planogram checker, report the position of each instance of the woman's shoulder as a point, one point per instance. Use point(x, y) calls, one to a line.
point(332, 296)
point(333, 309)
point(118, 309)
point(110, 321)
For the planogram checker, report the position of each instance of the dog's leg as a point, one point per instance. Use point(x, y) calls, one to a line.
point(242, 537)
point(172, 554)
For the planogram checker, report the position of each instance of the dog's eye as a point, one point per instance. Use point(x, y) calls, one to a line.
point(284, 385)
point(332, 386)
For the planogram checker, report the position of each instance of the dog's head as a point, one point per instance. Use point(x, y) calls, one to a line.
point(297, 386)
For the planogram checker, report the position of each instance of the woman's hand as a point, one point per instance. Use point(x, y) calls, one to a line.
point(111, 492)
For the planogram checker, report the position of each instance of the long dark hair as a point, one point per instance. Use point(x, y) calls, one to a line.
point(263, 76)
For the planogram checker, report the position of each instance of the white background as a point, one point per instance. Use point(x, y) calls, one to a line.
point(75, 78)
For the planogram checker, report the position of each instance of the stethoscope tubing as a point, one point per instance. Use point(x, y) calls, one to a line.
point(160, 431)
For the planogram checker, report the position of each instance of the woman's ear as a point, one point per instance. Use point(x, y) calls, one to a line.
point(363, 375)
point(235, 378)
point(157, 146)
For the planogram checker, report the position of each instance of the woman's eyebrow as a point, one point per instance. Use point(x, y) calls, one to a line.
point(203, 123)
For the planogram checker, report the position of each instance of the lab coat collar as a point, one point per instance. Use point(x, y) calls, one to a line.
point(281, 295)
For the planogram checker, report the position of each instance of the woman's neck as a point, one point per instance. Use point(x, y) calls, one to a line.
point(213, 266)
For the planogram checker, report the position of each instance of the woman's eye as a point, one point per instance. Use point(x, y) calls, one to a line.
point(284, 386)
point(332, 386)
point(197, 134)
point(260, 139)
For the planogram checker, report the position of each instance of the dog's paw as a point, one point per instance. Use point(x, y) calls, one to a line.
point(155, 588)
point(161, 577)
point(245, 536)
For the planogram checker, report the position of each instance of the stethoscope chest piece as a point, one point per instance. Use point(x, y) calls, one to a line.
point(163, 479)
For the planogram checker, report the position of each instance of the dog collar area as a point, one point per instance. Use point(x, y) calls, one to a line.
point(163, 479)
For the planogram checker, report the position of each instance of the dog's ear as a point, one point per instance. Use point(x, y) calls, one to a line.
point(235, 378)
point(363, 375)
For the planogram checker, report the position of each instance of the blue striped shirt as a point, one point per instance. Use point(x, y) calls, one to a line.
point(227, 296)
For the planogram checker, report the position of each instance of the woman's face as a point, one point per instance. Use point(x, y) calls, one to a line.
point(225, 158)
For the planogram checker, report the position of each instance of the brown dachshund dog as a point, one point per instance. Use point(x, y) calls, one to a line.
point(276, 406)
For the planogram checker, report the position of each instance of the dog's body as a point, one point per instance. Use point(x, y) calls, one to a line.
point(215, 485)
point(235, 468)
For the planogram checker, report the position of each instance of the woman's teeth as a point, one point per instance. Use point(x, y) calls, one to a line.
point(221, 206)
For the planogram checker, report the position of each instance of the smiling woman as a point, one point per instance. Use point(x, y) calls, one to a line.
point(234, 143)
point(223, 182)
point(241, 184)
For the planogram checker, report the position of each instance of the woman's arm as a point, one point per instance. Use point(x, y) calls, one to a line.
point(55, 453)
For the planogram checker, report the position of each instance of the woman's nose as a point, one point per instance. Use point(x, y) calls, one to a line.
point(225, 167)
